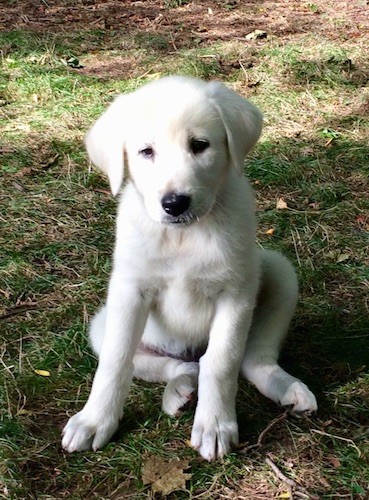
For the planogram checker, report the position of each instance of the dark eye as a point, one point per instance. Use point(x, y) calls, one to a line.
point(197, 146)
point(147, 152)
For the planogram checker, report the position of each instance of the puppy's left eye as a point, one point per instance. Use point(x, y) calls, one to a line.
point(197, 146)
point(147, 152)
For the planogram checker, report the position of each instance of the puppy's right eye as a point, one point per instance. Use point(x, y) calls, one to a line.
point(198, 146)
point(147, 152)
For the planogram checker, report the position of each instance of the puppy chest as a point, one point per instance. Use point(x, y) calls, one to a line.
point(187, 303)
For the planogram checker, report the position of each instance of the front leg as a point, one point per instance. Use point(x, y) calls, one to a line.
point(215, 427)
point(95, 424)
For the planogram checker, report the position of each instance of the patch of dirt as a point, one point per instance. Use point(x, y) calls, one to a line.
point(160, 28)
point(194, 22)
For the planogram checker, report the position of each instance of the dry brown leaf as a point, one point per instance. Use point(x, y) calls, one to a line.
point(281, 204)
point(327, 423)
point(334, 461)
point(165, 476)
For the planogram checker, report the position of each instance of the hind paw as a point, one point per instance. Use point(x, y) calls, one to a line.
point(178, 393)
point(299, 397)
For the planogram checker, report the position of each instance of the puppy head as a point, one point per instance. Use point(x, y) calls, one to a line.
point(178, 136)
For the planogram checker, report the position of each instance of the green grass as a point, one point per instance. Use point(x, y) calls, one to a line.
point(56, 238)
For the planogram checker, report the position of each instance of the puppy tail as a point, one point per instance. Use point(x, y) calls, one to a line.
point(97, 330)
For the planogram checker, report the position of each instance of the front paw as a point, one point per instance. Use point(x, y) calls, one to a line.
point(86, 430)
point(213, 436)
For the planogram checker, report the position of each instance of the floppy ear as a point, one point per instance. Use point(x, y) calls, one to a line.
point(105, 142)
point(242, 120)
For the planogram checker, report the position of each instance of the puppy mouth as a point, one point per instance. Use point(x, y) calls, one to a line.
point(188, 217)
point(185, 219)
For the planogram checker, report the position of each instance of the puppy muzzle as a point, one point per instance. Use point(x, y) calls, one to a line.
point(177, 209)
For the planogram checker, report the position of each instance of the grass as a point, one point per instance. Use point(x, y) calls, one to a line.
point(56, 237)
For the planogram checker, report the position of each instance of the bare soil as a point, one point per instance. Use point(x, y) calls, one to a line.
point(200, 22)
point(161, 27)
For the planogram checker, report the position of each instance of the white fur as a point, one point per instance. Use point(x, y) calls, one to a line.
point(199, 283)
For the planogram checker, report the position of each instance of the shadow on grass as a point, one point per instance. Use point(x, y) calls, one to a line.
point(332, 71)
point(325, 232)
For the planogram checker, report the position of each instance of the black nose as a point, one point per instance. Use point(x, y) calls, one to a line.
point(175, 204)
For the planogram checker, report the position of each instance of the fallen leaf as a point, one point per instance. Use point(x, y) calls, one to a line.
point(361, 221)
point(281, 204)
point(360, 369)
point(165, 476)
point(153, 76)
point(334, 461)
point(338, 256)
point(270, 231)
point(256, 35)
point(342, 257)
point(22, 411)
point(43, 373)
point(285, 494)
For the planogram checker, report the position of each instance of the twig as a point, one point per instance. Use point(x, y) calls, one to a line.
point(103, 191)
point(7, 150)
point(26, 306)
point(264, 432)
point(244, 71)
point(290, 482)
point(295, 488)
point(210, 489)
point(334, 436)
point(96, 21)
point(18, 309)
point(295, 247)
point(172, 41)
point(147, 72)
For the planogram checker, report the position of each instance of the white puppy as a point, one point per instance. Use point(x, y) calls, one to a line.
point(192, 301)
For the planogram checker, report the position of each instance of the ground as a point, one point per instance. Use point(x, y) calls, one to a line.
point(308, 70)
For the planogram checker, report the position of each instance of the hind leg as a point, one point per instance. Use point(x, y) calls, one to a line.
point(277, 302)
point(181, 376)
